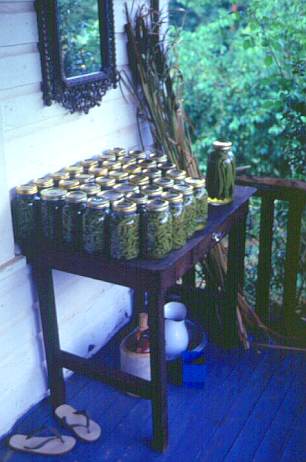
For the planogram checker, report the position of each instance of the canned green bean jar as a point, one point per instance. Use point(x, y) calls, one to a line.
point(43, 183)
point(189, 206)
point(124, 231)
point(201, 203)
point(221, 173)
point(158, 229)
point(94, 225)
point(73, 211)
point(25, 213)
point(178, 219)
point(52, 203)
point(58, 176)
point(176, 174)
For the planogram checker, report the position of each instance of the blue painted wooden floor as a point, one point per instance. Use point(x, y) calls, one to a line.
point(252, 408)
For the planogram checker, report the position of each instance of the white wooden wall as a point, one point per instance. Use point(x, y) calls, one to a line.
point(35, 140)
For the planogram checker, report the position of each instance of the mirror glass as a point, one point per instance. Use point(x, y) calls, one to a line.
point(79, 37)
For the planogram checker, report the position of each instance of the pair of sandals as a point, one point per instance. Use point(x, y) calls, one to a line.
point(56, 444)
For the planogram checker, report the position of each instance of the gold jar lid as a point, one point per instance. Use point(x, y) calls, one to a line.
point(176, 174)
point(119, 175)
point(119, 152)
point(167, 166)
point(60, 175)
point(111, 164)
point(152, 190)
point(27, 189)
point(132, 169)
point(161, 158)
point(126, 188)
point(174, 197)
point(197, 183)
point(137, 153)
point(184, 188)
point(139, 198)
point(158, 205)
point(139, 180)
point(151, 155)
point(76, 197)
point(149, 163)
point(222, 145)
point(91, 189)
point(97, 171)
point(125, 206)
point(154, 173)
point(84, 177)
point(105, 181)
point(104, 157)
point(45, 182)
point(111, 196)
point(52, 194)
point(69, 185)
point(74, 169)
point(164, 182)
point(97, 203)
point(87, 163)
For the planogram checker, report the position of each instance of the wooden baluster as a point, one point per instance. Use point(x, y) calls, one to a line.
point(265, 258)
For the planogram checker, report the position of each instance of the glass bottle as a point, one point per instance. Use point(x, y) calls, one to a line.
point(52, 203)
point(221, 174)
point(158, 229)
point(94, 226)
point(25, 213)
point(124, 231)
point(73, 211)
point(178, 219)
point(201, 203)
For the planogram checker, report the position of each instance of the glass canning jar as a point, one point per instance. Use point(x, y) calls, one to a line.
point(152, 190)
point(201, 203)
point(74, 170)
point(112, 196)
point(43, 183)
point(189, 207)
point(124, 231)
point(88, 163)
point(221, 174)
point(58, 176)
point(158, 229)
point(139, 180)
point(94, 226)
point(165, 183)
point(121, 176)
point(97, 171)
point(25, 213)
point(177, 210)
point(153, 174)
point(83, 178)
point(166, 166)
point(73, 211)
point(91, 189)
point(52, 203)
point(106, 183)
point(141, 201)
point(176, 174)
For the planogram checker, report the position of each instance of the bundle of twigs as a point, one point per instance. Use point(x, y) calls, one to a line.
point(156, 83)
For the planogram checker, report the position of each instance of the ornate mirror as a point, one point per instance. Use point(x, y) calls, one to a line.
point(76, 41)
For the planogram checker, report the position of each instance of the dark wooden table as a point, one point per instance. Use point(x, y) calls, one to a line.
point(153, 277)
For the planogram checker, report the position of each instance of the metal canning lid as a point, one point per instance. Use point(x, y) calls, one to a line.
point(149, 163)
point(139, 198)
point(152, 190)
point(107, 152)
point(164, 182)
point(151, 155)
point(158, 205)
point(140, 180)
point(140, 161)
point(111, 196)
point(126, 188)
point(136, 153)
point(119, 174)
point(222, 145)
point(195, 182)
point(42, 183)
point(69, 184)
point(154, 173)
point(52, 194)
point(111, 164)
point(76, 197)
point(97, 203)
point(176, 174)
point(60, 175)
point(162, 159)
point(27, 189)
point(174, 197)
point(119, 152)
point(105, 181)
point(167, 165)
point(84, 178)
point(74, 169)
point(132, 169)
point(185, 189)
point(98, 171)
point(125, 206)
point(87, 163)
point(91, 189)
point(104, 157)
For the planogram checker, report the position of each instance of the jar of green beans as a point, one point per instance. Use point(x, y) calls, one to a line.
point(52, 203)
point(177, 210)
point(189, 206)
point(124, 231)
point(221, 174)
point(158, 229)
point(25, 213)
point(94, 225)
point(73, 211)
point(200, 195)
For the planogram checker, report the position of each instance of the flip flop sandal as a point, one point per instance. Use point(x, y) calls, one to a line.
point(55, 445)
point(78, 422)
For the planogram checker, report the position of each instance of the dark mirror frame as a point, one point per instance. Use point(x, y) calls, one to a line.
point(80, 93)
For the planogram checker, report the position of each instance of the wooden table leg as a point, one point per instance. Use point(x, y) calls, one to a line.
point(44, 284)
point(234, 279)
point(158, 370)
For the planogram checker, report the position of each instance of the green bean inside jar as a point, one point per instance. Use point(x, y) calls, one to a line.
point(221, 174)
point(177, 210)
point(189, 206)
point(25, 213)
point(141, 201)
point(73, 211)
point(158, 229)
point(52, 204)
point(124, 231)
point(201, 203)
point(94, 225)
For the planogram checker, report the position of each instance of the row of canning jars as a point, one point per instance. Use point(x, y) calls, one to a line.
point(130, 223)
